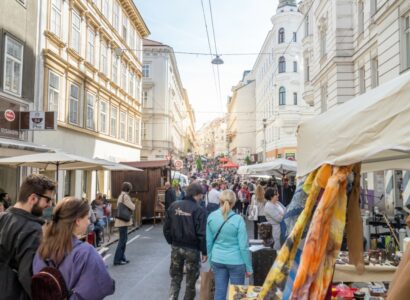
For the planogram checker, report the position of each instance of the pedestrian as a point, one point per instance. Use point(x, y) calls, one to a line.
point(245, 197)
point(98, 207)
point(180, 194)
point(20, 236)
point(213, 198)
point(124, 197)
point(288, 190)
point(81, 266)
point(274, 212)
point(184, 230)
point(258, 200)
point(170, 196)
point(227, 245)
point(5, 199)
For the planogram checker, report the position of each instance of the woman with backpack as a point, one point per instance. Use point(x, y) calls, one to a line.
point(227, 245)
point(64, 267)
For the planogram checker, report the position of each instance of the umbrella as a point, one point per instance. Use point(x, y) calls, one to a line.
point(52, 162)
point(229, 165)
point(223, 160)
point(279, 167)
point(107, 165)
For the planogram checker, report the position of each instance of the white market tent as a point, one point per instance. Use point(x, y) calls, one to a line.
point(373, 128)
point(278, 167)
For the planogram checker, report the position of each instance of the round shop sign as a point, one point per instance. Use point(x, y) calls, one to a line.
point(9, 115)
point(178, 164)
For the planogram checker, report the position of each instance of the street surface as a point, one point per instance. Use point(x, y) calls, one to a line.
point(147, 274)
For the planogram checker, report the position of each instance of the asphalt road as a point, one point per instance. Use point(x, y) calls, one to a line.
point(147, 274)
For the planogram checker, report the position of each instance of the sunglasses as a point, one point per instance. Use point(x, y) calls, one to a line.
point(49, 199)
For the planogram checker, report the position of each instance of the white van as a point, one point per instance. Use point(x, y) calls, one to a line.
point(183, 179)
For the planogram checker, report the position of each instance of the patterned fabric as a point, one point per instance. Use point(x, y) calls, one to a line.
point(324, 240)
point(278, 275)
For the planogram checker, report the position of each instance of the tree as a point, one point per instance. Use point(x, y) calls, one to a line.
point(248, 160)
point(199, 164)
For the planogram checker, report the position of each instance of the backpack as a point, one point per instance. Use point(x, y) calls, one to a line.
point(49, 284)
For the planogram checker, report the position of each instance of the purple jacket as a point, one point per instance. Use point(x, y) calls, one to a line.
point(84, 272)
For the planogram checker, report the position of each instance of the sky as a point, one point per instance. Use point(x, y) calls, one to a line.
point(240, 27)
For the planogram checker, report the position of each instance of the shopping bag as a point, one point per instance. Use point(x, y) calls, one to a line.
point(253, 213)
point(207, 289)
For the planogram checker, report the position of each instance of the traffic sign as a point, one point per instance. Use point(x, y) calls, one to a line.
point(9, 115)
point(178, 164)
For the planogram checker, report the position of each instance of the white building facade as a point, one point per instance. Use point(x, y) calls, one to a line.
point(212, 138)
point(357, 45)
point(241, 123)
point(165, 104)
point(90, 73)
point(278, 92)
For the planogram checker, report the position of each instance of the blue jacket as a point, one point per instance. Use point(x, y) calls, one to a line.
point(231, 247)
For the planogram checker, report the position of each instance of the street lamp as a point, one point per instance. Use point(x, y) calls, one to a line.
point(217, 60)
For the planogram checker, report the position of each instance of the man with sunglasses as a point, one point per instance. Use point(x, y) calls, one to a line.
point(20, 234)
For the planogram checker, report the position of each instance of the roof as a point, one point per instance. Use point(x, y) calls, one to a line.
point(148, 42)
point(147, 164)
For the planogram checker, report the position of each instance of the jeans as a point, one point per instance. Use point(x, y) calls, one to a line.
point(261, 219)
point(122, 243)
point(224, 273)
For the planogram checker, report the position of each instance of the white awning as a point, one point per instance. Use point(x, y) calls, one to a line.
point(373, 128)
point(10, 147)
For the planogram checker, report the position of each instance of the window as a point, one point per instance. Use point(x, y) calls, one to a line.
point(281, 36)
point(104, 58)
point(123, 119)
point(295, 66)
point(90, 123)
point(115, 68)
point(130, 130)
point(282, 96)
point(74, 99)
point(103, 116)
point(132, 37)
point(116, 15)
point(113, 121)
point(323, 43)
point(323, 98)
point(137, 131)
point(90, 48)
point(13, 67)
point(307, 24)
point(295, 98)
point(143, 130)
point(123, 76)
point(373, 7)
point(124, 27)
point(145, 98)
point(75, 31)
point(137, 88)
point(307, 70)
point(131, 79)
point(145, 70)
point(55, 21)
point(362, 80)
point(295, 37)
point(360, 16)
point(53, 91)
point(375, 72)
point(282, 64)
point(406, 43)
point(106, 8)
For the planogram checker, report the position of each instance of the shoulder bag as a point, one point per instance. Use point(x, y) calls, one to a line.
point(123, 212)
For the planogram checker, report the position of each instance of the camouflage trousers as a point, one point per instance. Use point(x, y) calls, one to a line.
point(179, 258)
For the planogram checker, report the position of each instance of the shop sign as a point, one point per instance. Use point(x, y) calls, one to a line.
point(9, 115)
point(178, 164)
point(38, 120)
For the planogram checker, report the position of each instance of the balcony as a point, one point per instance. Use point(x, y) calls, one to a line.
point(308, 95)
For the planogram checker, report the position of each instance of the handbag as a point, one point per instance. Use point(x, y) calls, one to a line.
point(123, 212)
point(253, 213)
point(207, 288)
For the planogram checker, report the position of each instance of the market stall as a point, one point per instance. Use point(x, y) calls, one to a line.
point(370, 132)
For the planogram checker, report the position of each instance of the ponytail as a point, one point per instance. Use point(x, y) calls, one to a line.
point(226, 207)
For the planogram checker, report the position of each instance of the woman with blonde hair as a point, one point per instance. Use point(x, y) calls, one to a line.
point(258, 201)
point(81, 266)
point(227, 245)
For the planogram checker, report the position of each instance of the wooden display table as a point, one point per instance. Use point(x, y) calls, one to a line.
point(250, 291)
point(372, 273)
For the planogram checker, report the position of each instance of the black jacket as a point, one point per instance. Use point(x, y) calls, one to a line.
point(20, 235)
point(170, 197)
point(185, 225)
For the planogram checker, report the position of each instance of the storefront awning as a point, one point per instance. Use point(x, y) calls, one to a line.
point(10, 147)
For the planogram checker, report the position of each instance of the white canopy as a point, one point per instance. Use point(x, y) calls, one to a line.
point(277, 167)
point(373, 128)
